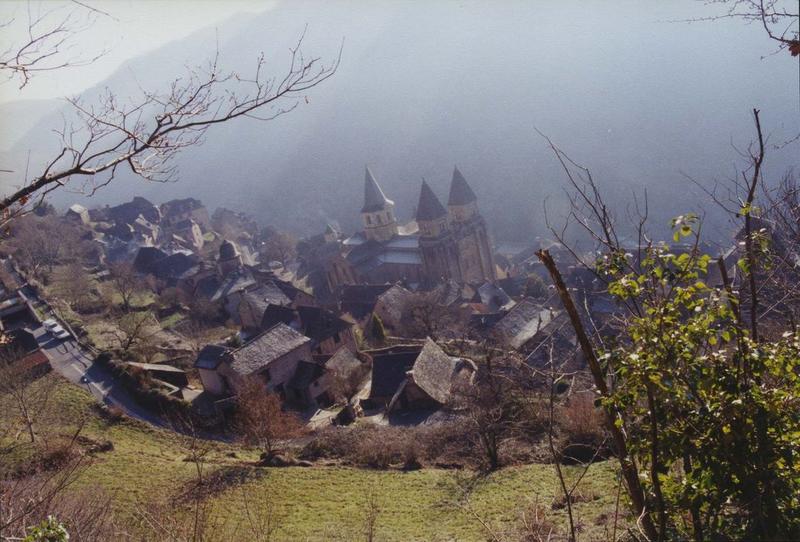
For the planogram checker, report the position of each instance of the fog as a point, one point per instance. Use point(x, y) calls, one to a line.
point(628, 89)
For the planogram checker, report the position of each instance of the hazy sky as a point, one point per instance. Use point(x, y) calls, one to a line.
point(627, 87)
point(131, 28)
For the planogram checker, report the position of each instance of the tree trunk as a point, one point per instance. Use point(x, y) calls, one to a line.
point(629, 469)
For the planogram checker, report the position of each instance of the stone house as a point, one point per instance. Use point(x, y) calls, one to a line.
point(176, 211)
point(78, 213)
point(327, 331)
point(273, 356)
point(412, 377)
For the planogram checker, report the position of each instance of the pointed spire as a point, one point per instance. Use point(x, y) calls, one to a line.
point(374, 198)
point(460, 192)
point(429, 207)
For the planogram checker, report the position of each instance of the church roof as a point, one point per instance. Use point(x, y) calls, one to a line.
point(374, 198)
point(429, 207)
point(460, 192)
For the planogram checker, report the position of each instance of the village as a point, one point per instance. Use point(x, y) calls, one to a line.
point(399, 271)
point(378, 325)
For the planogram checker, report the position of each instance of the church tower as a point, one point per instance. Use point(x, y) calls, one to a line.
point(377, 213)
point(462, 204)
point(439, 258)
point(469, 232)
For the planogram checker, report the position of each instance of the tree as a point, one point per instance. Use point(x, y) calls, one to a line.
point(423, 316)
point(205, 312)
point(492, 404)
point(74, 286)
point(48, 45)
point(41, 243)
point(29, 397)
point(134, 329)
point(375, 331)
point(776, 17)
point(125, 283)
point(261, 420)
point(694, 395)
point(146, 134)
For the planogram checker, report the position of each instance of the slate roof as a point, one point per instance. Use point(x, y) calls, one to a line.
point(320, 324)
point(522, 322)
point(276, 314)
point(180, 206)
point(265, 295)
point(494, 297)
point(460, 191)
point(389, 371)
point(127, 212)
point(399, 257)
point(374, 198)
point(265, 348)
point(175, 265)
point(429, 206)
point(514, 286)
point(393, 301)
point(343, 361)
point(146, 259)
point(210, 356)
point(234, 282)
point(228, 250)
point(447, 293)
point(359, 299)
point(372, 254)
point(436, 373)
point(207, 286)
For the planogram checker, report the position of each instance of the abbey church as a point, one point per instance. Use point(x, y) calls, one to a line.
point(440, 244)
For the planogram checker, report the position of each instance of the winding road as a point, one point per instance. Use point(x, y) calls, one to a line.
point(77, 365)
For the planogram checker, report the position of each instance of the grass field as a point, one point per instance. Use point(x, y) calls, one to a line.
point(327, 502)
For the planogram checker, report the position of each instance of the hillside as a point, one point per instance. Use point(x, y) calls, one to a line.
point(148, 467)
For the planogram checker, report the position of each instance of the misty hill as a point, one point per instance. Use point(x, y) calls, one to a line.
point(423, 87)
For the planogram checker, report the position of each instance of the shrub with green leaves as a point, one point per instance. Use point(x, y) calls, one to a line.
point(49, 530)
point(712, 416)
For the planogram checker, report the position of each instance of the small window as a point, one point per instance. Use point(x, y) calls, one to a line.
point(337, 339)
point(369, 219)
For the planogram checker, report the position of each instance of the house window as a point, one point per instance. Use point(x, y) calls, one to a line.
point(369, 219)
point(337, 339)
